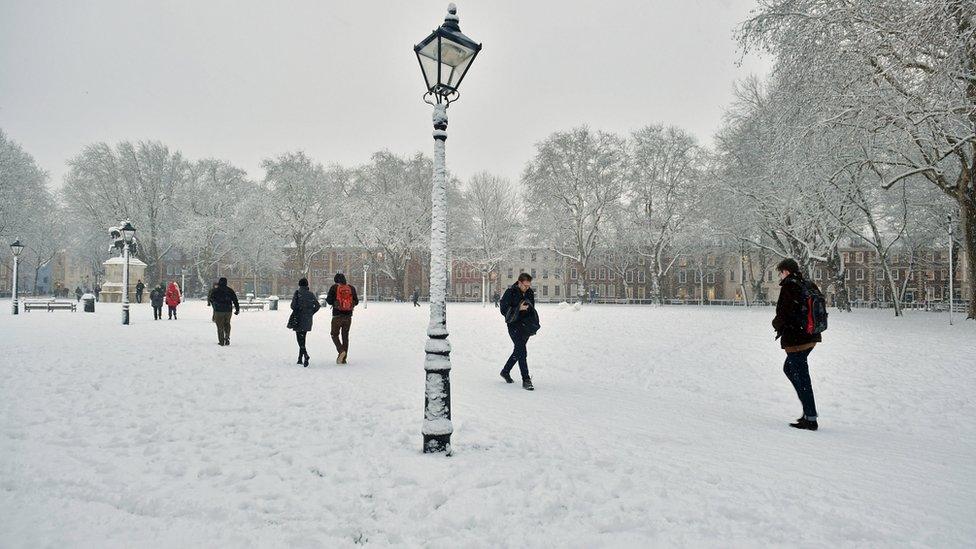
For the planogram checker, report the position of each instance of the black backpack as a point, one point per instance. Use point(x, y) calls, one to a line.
point(811, 314)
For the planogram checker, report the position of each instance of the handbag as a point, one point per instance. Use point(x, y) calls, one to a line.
point(293, 320)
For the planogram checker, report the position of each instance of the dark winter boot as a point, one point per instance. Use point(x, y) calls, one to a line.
point(804, 423)
point(506, 376)
point(527, 385)
point(301, 355)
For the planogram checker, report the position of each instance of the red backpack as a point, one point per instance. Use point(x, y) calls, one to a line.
point(343, 299)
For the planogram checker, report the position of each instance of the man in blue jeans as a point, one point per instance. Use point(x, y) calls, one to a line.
point(796, 342)
point(518, 308)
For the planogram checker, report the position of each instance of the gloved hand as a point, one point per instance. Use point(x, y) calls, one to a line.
point(237, 312)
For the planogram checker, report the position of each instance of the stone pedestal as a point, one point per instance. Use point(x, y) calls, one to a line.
point(112, 287)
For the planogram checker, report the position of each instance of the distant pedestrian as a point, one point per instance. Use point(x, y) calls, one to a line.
point(416, 297)
point(223, 299)
point(140, 287)
point(173, 298)
point(343, 299)
point(494, 299)
point(78, 293)
point(304, 305)
point(800, 317)
point(518, 308)
point(156, 297)
point(98, 291)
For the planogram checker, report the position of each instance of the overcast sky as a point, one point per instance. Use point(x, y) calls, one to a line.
point(245, 80)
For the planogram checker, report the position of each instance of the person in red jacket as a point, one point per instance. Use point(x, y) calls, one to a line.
point(173, 298)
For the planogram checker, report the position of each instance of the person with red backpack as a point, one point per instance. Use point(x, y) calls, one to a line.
point(801, 316)
point(343, 299)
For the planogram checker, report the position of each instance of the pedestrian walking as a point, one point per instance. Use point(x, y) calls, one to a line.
point(78, 293)
point(494, 299)
point(801, 316)
point(139, 289)
point(304, 305)
point(223, 299)
point(156, 297)
point(416, 297)
point(173, 298)
point(522, 319)
point(343, 299)
point(98, 291)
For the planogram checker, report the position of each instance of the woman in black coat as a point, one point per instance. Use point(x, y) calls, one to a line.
point(303, 307)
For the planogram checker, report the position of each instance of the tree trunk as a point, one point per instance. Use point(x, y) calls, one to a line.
point(893, 288)
point(968, 212)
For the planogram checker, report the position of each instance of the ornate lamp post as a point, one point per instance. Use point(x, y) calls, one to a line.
point(183, 282)
point(445, 56)
point(484, 286)
point(128, 233)
point(951, 270)
point(365, 285)
point(15, 249)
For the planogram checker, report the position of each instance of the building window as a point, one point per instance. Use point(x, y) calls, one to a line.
point(710, 278)
point(640, 277)
point(603, 274)
point(859, 293)
point(878, 274)
point(338, 256)
point(710, 260)
point(859, 274)
point(511, 273)
point(640, 261)
point(592, 274)
point(682, 276)
point(846, 256)
point(629, 277)
point(572, 273)
point(731, 275)
point(817, 273)
point(895, 274)
point(557, 290)
point(930, 275)
point(611, 275)
point(545, 273)
point(532, 273)
point(860, 257)
point(545, 291)
point(533, 257)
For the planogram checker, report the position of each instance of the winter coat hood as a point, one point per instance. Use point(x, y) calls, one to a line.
point(340, 278)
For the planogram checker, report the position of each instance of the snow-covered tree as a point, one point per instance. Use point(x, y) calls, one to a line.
point(141, 182)
point(576, 181)
point(667, 188)
point(904, 71)
point(493, 211)
point(305, 200)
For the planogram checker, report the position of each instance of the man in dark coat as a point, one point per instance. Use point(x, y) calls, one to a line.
point(98, 290)
point(303, 305)
point(343, 299)
point(140, 287)
point(416, 297)
point(518, 308)
point(223, 300)
point(156, 297)
point(794, 340)
point(78, 293)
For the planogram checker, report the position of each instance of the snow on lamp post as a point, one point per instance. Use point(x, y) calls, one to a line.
point(128, 233)
point(951, 270)
point(183, 282)
point(445, 56)
point(365, 286)
point(15, 249)
point(484, 286)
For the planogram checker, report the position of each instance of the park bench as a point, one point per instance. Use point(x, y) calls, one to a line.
point(257, 304)
point(50, 305)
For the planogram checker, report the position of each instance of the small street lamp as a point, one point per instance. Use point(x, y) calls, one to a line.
point(445, 56)
point(951, 270)
point(484, 286)
point(183, 282)
point(15, 249)
point(365, 286)
point(128, 234)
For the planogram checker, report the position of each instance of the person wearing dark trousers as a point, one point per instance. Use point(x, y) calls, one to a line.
point(343, 299)
point(416, 297)
point(156, 297)
point(78, 293)
point(223, 299)
point(522, 319)
point(304, 305)
point(140, 287)
point(797, 343)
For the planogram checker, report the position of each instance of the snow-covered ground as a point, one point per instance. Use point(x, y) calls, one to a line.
point(649, 426)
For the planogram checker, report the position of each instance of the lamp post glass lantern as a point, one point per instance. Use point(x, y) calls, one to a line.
point(128, 234)
point(445, 56)
point(15, 248)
